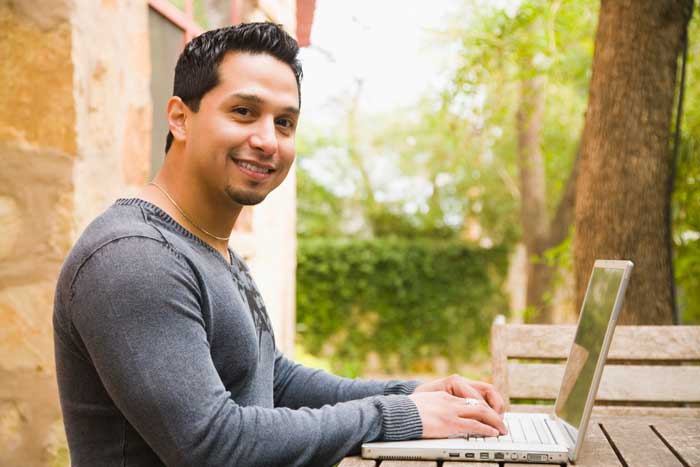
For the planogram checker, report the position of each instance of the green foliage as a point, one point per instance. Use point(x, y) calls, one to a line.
point(686, 228)
point(320, 212)
point(456, 149)
point(452, 153)
point(409, 301)
point(551, 39)
point(388, 222)
point(561, 258)
point(686, 196)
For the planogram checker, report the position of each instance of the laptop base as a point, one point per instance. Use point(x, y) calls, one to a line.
point(484, 455)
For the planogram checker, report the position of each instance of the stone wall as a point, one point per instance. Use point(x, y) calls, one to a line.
point(38, 150)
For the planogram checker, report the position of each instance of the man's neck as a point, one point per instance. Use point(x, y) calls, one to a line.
point(204, 217)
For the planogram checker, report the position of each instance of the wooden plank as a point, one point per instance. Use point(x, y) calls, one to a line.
point(679, 343)
point(538, 340)
point(637, 443)
point(357, 462)
point(499, 359)
point(408, 464)
point(683, 436)
point(652, 383)
point(596, 451)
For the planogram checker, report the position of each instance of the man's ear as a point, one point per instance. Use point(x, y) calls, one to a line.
point(177, 118)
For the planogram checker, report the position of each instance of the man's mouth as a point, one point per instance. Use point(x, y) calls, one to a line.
point(254, 170)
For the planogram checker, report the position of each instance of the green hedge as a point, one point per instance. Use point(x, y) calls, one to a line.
point(407, 300)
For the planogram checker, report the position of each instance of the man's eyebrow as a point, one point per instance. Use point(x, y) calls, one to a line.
point(255, 99)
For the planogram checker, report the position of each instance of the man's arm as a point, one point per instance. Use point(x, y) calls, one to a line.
point(135, 306)
point(299, 386)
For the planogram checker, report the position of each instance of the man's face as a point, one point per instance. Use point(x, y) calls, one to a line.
point(241, 140)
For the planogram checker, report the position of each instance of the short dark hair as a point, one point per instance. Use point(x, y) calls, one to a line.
point(197, 69)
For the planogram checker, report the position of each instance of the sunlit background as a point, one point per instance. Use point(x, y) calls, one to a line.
point(410, 139)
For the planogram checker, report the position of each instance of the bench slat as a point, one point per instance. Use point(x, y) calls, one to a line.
point(620, 382)
point(673, 343)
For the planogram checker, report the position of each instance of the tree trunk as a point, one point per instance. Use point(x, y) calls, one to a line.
point(622, 200)
point(533, 209)
point(539, 233)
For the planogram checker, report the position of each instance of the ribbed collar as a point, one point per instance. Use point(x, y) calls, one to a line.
point(174, 225)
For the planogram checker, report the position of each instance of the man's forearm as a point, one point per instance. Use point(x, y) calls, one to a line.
point(300, 386)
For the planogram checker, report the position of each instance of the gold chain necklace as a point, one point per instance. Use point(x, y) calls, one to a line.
point(223, 239)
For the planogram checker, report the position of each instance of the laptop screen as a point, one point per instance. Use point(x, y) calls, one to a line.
point(598, 306)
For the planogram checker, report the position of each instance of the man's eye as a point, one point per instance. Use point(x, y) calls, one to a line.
point(242, 111)
point(285, 122)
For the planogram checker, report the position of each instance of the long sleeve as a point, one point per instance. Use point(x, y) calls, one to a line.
point(299, 386)
point(138, 316)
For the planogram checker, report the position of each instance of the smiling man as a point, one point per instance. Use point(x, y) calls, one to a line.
point(164, 350)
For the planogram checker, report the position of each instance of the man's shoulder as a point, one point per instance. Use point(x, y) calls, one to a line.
point(124, 227)
point(119, 221)
point(124, 232)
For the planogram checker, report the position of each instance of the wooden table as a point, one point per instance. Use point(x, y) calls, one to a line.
point(611, 441)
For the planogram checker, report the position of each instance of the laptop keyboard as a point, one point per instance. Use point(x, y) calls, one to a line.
point(530, 430)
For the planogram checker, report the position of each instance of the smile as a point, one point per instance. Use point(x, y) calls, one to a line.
point(253, 170)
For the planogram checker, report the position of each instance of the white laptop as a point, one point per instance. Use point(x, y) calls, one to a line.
point(542, 438)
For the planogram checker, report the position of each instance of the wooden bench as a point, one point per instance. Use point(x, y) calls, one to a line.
point(651, 370)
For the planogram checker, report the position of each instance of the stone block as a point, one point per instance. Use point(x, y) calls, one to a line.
point(10, 225)
point(37, 79)
point(44, 14)
point(56, 446)
point(112, 69)
point(10, 423)
point(31, 431)
point(26, 333)
point(137, 143)
point(36, 213)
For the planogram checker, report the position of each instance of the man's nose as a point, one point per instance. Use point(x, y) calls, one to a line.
point(264, 137)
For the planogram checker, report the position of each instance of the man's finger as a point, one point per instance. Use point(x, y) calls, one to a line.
point(496, 401)
point(475, 427)
point(462, 387)
point(484, 414)
point(491, 395)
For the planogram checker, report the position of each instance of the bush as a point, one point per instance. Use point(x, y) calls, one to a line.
point(407, 300)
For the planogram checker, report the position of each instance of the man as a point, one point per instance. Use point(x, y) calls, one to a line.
point(164, 350)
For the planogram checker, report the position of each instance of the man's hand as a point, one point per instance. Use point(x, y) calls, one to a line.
point(444, 415)
point(462, 387)
point(444, 410)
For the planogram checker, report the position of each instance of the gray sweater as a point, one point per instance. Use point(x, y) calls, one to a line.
point(165, 355)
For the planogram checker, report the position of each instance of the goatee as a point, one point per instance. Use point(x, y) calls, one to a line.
point(244, 197)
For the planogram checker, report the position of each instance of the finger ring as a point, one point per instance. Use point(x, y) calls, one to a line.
point(472, 402)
